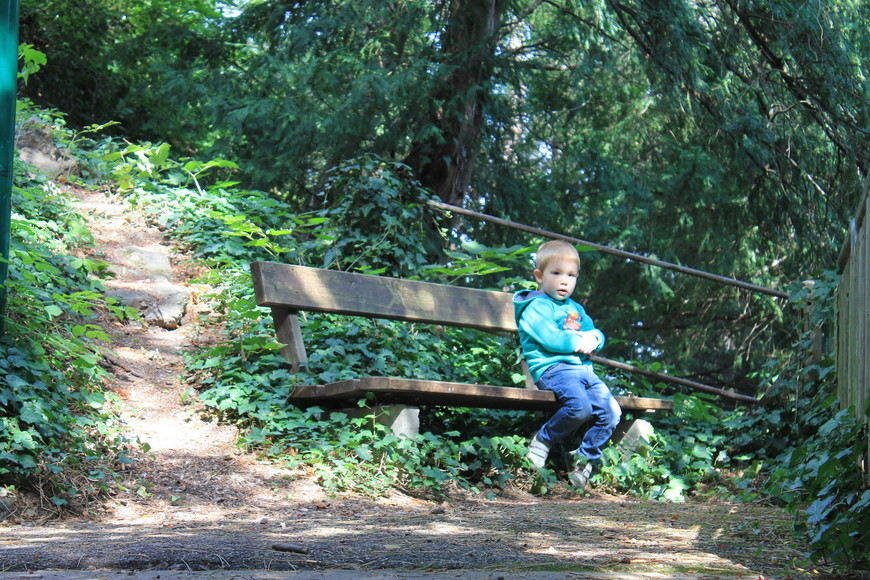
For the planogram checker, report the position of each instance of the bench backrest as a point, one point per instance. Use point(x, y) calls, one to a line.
point(317, 290)
point(288, 289)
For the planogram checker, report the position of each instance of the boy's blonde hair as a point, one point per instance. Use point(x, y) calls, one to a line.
point(555, 249)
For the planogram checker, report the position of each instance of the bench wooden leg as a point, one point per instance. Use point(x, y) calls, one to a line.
point(403, 421)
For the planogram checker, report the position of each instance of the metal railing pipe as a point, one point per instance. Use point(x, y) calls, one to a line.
point(616, 252)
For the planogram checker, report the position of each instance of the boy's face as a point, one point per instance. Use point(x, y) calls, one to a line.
point(558, 278)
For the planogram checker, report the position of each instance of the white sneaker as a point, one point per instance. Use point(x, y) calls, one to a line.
point(538, 452)
point(579, 478)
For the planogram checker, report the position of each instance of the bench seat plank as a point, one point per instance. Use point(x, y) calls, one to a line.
point(390, 390)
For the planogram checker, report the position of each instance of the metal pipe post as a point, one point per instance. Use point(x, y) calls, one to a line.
point(8, 82)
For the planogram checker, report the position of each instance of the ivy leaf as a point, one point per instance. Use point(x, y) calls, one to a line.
point(53, 310)
point(820, 509)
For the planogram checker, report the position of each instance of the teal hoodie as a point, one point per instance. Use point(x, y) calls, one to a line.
point(545, 326)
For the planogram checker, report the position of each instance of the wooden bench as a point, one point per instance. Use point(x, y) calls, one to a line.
point(288, 289)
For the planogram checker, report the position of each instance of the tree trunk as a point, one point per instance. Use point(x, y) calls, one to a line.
point(445, 161)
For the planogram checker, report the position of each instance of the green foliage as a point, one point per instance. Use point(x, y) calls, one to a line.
point(687, 455)
point(823, 469)
point(488, 267)
point(367, 457)
point(322, 83)
point(55, 425)
point(111, 59)
point(32, 61)
point(818, 446)
point(382, 216)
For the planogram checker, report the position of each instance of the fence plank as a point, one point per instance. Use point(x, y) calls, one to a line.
point(859, 294)
point(853, 319)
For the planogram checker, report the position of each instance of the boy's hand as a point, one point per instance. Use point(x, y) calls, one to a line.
point(588, 342)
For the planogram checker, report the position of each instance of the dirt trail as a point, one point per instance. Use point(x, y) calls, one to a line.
point(197, 502)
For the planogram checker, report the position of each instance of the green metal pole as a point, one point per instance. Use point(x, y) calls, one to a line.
point(8, 82)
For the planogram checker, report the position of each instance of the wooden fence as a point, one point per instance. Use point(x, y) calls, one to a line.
point(853, 318)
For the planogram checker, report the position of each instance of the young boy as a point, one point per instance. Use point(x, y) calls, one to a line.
point(557, 337)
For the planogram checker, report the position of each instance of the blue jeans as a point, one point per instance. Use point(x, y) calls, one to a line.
point(584, 397)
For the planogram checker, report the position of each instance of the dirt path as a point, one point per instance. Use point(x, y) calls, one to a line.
point(197, 502)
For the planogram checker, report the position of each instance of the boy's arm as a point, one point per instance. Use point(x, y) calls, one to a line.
point(595, 340)
point(590, 341)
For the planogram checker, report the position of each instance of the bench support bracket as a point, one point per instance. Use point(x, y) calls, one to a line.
point(403, 420)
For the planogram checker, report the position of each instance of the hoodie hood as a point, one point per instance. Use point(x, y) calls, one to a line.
point(523, 298)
